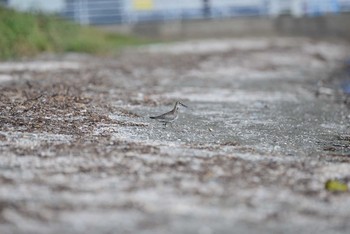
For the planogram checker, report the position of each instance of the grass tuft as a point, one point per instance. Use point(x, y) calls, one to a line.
point(27, 34)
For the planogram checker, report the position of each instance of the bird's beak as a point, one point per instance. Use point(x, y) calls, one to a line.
point(183, 105)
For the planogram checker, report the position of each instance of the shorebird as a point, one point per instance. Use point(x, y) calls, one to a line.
point(170, 116)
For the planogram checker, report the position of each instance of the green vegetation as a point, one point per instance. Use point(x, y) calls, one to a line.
point(25, 34)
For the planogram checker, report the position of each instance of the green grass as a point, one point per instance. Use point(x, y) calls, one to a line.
point(26, 34)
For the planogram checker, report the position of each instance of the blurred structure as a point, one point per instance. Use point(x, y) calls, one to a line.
point(36, 5)
point(99, 12)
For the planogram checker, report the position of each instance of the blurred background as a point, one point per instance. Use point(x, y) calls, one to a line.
point(201, 18)
point(96, 12)
point(28, 27)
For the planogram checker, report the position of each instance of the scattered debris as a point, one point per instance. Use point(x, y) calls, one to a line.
point(79, 153)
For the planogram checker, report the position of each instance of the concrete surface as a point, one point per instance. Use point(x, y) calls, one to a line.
point(267, 126)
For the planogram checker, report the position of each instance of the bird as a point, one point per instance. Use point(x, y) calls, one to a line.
point(170, 116)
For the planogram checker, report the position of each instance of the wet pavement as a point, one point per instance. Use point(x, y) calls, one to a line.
point(267, 126)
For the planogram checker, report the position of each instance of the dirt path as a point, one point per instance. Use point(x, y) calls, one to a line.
point(265, 130)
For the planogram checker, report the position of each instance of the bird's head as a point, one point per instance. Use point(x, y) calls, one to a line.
point(177, 104)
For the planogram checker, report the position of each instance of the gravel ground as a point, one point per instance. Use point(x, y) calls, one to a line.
point(267, 126)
